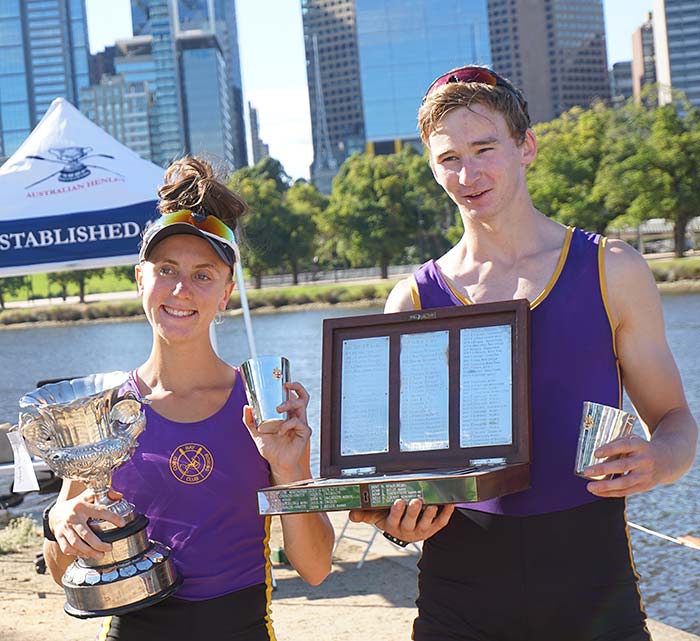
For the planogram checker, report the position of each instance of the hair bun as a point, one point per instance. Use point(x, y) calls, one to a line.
point(191, 183)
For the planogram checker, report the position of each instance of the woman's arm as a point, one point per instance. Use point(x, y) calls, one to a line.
point(68, 520)
point(308, 538)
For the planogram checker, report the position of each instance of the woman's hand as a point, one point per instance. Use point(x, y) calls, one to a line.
point(68, 521)
point(285, 446)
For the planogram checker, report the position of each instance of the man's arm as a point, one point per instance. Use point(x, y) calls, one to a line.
point(651, 379)
point(399, 299)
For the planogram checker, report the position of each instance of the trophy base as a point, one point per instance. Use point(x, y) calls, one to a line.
point(132, 607)
point(135, 574)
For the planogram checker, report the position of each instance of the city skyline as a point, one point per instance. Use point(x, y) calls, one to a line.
point(276, 84)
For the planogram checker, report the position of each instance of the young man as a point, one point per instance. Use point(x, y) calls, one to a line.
point(552, 562)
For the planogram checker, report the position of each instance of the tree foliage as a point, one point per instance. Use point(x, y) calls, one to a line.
point(570, 151)
point(11, 286)
point(368, 215)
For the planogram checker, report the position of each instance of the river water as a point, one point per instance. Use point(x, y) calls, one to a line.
point(670, 574)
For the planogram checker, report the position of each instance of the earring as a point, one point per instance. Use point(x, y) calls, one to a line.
point(218, 318)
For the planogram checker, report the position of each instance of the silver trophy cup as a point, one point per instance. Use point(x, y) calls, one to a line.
point(84, 429)
point(264, 378)
point(600, 424)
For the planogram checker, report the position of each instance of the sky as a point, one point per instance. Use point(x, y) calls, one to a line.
point(271, 44)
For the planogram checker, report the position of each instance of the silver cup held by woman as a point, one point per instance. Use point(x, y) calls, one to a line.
point(264, 378)
point(84, 429)
point(600, 424)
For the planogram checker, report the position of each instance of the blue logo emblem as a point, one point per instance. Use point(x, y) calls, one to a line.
point(73, 166)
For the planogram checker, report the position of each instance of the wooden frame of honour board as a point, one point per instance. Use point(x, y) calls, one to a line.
point(432, 404)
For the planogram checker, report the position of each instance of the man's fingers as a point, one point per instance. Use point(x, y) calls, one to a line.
point(620, 486)
point(621, 446)
point(372, 517)
point(411, 516)
point(443, 517)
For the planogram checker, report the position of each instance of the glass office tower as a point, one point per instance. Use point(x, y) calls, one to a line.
point(677, 47)
point(403, 46)
point(210, 26)
point(43, 55)
point(203, 72)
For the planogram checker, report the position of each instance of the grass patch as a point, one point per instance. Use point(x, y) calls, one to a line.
point(276, 297)
point(19, 533)
point(668, 270)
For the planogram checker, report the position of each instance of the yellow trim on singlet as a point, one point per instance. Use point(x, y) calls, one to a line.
point(604, 295)
point(104, 629)
point(548, 287)
point(634, 568)
point(460, 297)
point(557, 271)
point(415, 295)
point(268, 580)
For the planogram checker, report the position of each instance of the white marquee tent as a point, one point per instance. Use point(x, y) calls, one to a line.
point(73, 197)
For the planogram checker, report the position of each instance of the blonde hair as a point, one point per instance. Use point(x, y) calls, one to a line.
point(466, 94)
point(191, 183)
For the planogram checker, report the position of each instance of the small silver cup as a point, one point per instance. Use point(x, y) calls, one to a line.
point(264, 378)
point(600, 424)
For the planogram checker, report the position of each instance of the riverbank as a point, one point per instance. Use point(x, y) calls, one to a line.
point(374, 602)
point(126, 305)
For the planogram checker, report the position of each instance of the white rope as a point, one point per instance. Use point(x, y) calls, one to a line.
point(666, 537)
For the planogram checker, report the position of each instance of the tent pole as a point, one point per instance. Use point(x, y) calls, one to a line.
point(246, 309)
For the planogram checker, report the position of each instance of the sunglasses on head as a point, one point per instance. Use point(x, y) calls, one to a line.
point(208, 224)
point(482, 75)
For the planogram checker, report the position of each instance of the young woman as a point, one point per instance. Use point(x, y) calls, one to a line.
point(200, 459)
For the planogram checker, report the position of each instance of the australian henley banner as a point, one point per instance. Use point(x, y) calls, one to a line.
point(73, 197)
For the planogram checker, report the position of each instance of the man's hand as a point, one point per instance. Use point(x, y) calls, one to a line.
point(635, 459)
point(409, 523)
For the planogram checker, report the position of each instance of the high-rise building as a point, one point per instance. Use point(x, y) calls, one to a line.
point(402, 48)
point(122, 109)
point(676, 25)
point(553, 49)
point(333, 77)
point(643, 59)
point(621, 83)
point(259, 148)
point(368, 62)
point(203, 58)
point(203, 72)
point(43, 55)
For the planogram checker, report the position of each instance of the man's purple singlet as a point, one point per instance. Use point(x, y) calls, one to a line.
point(197, 482)
point(572, 360)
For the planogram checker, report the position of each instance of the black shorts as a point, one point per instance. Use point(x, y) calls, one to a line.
point(238, 616)
point(563, 576)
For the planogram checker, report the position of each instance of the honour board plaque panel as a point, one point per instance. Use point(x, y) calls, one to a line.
point(430, 404)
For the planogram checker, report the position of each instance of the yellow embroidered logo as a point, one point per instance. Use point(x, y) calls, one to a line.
point(191, 463)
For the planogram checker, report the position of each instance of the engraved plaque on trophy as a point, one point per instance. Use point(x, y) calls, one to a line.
point(431, 404)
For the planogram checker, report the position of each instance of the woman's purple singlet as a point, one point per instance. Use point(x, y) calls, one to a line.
point(197, 482)
point(572, 360)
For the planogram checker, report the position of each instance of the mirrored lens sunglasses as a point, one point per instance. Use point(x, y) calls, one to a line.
point(482, 75)
point(206, 223)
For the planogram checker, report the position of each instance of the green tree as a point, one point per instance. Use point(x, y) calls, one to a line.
point(75, 277)
point(267, 168)
point(266, 228)
point(305, 205)
point(11, 286)
point(570, 151)
point(654, 172)
point(432, 210)
point(367, 215)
